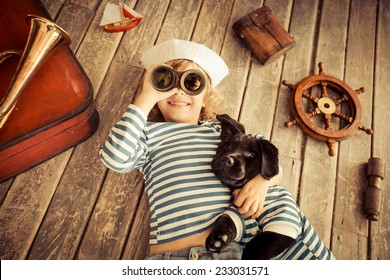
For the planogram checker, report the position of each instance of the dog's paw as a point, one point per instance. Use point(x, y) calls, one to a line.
point(222, 234)
point(216, 242)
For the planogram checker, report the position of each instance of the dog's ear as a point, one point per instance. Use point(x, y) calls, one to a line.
point(229, 126)
point(269, 166)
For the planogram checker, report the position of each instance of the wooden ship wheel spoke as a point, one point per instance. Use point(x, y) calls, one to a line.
point(326, 108)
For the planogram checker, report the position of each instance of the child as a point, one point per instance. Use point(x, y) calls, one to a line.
point(185, 197)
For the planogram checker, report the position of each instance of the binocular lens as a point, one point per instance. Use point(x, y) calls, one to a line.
point(193, 82)
point(165, 78)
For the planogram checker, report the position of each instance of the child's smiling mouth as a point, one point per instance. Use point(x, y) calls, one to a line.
point(178, 103)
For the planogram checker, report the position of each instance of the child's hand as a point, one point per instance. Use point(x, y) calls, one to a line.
point(149, 96)
point(149, 90)
point(250, 199)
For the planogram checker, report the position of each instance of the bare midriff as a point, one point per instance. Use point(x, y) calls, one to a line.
point(195, 240)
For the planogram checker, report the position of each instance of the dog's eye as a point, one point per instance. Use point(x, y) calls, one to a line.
point(249, 155)
point(229, 146)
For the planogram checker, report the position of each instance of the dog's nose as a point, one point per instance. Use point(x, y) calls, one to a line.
point(229, 161)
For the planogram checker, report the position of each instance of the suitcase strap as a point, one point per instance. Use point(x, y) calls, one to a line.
point(260, 16)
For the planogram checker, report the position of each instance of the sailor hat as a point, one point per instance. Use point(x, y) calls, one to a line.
point(209, 60)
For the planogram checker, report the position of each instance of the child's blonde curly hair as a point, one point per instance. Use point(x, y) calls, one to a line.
point(212, 97)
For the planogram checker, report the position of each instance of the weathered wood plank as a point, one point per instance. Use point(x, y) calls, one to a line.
point(319, 169)
point(291, 170)
point(75, 19)
point(238, 59)
point(97, 49)
point(213, 19)
point(90, 4)
point(24, 208)
point(297, 66)
point(53, 7)
point(138, 241)
point(74, 200)
point(4, 188)
point(141, 38)
point(258, 108)
point(109, 224)
point(351, 175)
point(115, 229)
point(348, 245)
point(179, 23)
point(380, 230)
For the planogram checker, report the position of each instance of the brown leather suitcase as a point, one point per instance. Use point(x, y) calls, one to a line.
point(55, 111)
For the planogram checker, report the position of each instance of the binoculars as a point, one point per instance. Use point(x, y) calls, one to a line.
point(164, 78)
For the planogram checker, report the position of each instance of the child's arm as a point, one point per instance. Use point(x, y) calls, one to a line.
point(126, 148)
point(250, 199)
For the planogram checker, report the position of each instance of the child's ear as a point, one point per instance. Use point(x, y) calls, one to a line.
point(229, 126)
point(269, 156)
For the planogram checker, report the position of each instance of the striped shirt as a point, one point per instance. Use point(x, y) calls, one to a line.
point(282, 215)
point(185, 197)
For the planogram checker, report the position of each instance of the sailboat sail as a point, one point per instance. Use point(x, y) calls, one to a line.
point(119, 17)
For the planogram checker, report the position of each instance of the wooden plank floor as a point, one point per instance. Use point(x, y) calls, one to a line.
point(72, 207)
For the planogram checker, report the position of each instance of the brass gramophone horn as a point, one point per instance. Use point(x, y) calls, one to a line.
point(44, 37)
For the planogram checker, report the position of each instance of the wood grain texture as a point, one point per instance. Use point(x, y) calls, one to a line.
point(141, 38)
point(72, 207)
point(351, 174)
point(233, 91)
point(380, 230)
point(53, 7)
point(110, 221)
point(177, 16)
point(137, 244)
point(317, 190)
point(25, 206)
point(80, 185)
point(297, 66)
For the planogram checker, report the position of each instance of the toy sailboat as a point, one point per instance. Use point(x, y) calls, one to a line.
point(119, 17)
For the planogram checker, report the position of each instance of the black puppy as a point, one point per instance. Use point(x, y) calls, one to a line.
point(239, 159)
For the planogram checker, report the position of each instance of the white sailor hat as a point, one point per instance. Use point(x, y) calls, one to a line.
point(206, 58)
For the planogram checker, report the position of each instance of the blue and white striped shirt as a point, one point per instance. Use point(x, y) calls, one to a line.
point(185, 197)
point(282, 215)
